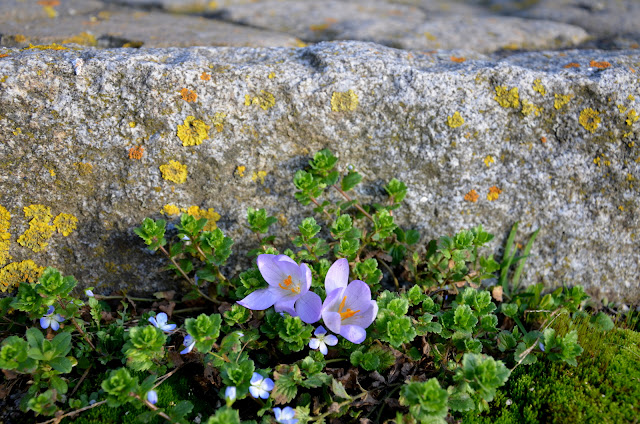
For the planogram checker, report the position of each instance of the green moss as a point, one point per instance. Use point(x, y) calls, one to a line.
point(603, 388)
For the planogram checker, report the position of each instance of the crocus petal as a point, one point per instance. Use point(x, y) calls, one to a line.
point(330, 340)
point(332, 301)
point(309, 308)
point(275, 269)
point(358, 295)
point(337, 276)
point(353, 333)
point(259, 300)
point(285, 304)
point(314, 343)
point(323, 348)
point(44, 322)
point(332, 320)
point(305, 276)
point(365, 317)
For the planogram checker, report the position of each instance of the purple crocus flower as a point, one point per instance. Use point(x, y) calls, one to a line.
point(160, 321)
point(288, 289)
point(51, 319)
point(348, 309)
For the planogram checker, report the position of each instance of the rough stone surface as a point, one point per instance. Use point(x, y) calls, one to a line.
point(25, 11)
point(133, 28)
point(66, 132)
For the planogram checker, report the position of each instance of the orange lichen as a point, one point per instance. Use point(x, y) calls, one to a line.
point(188, 95)
point(4, 54)
point(455, 120)
point(136, 152)
point(19, 272)
point(344, 101)
point(472, 196)
point(50, 3)
point(65, 223)
point(543, 139)
point(457, 59)
point(211, 215)
point(5, 237)
point(193, 131)
point(205, 76)
point(589, 119)
point(599, 65)
point(572, 65)
point(494, 193)
point(174, 171)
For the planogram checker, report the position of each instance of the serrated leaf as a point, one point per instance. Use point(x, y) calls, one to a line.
point(338, 389)
point(350, 180)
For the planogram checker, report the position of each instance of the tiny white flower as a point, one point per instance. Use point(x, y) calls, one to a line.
point(241, 334)
point(322, 339)
point(260, 386)
point(152, 397)
point(285, 415)
point(89, 293)
point(160, 321)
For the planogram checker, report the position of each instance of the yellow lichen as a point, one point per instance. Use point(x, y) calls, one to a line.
point(65, 223)
point(38, 212)
point(84, 38)
point(171, 210)
point(218, 121)
point(19, 272)
point(344, 101)
point(5, 236)
point(589, 119)
point(430, 36)
point(36, 236)
point(455, 120)
point(471, 196)
point(259, 176)
point(528, 107)
point(265, 100)
point(52, 46)
point(193, 131)
point(240, 171)
point(622, 108)
point(205, 76)
point(537, 86)
point(83, 168)
point(632, 117)
point(631, 98)
point(488, 160)
point(174, 171)
point(507, 97)
point(561, 100)
point(494, 193)
point(188, 95)
point(271, 75)
point(132, 124)
point(210, 214)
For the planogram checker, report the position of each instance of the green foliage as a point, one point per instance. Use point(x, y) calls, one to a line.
point(144, 347)
point(562, 348)
point(236, 315)
point(118, 386)
point(396, 190)
point(427, 401)
point(482, 374)
point(375, 358)
point(294, 334)
point(13, 354)
point(369, 272)
point(216, 247)
point(224, 415)
point(152, 232)
point(392, 324)
point(259, 221)
point(383, 225)
point(205, 330)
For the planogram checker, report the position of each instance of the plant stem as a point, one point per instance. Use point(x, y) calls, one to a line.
point(395, 280)
point(166, 376)
point(182, 311)
point(184, 274)
point(318, 205)
point(152, 407)
point(72, 413)
point(137, 299)
point(84, 375)
point(340, 405)
point(349, 199)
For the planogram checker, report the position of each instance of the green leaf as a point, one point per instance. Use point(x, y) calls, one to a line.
point(308, 228)
point(61, 344)
point(118, 386)
point(427, 401)
point(13, 352)
point(61, 364)
point(180, 410)
point(483, 374)
point(224, 415)
point(396, 190)
point(506, 341)
point(259, 221)
point(286, 379)
point(338, 389)
point(323, 162)
point(350, 180)
point(602, 322)
point(464, 319)
point(412, 237)
point(205, 330)
point(509, 309)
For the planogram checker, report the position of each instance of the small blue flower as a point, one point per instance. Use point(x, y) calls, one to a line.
point(541, 346)
point(285, 415)
point(51, 320)
point(189, 343)
point(322, 340)
point(160, 321)
point(260, 386)
point(89, 293)
point(152, 397)
point(230, 394)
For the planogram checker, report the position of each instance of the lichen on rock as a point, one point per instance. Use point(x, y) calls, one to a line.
point(19, 272)
point(193, 131)
point(174, 171)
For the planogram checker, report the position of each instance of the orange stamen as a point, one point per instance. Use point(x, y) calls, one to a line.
point(348, 313)
point(287, 282)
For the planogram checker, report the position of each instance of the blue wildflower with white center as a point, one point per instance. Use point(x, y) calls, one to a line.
point(188, 343)
point(260, 386)
point(285, 415)
point(160, 321)
point(51, 320)
point(322, 340)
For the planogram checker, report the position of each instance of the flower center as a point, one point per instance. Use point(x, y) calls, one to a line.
point(348, 313)
point(287, 282)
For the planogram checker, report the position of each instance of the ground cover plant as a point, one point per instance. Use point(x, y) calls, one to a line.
point(356, 320)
